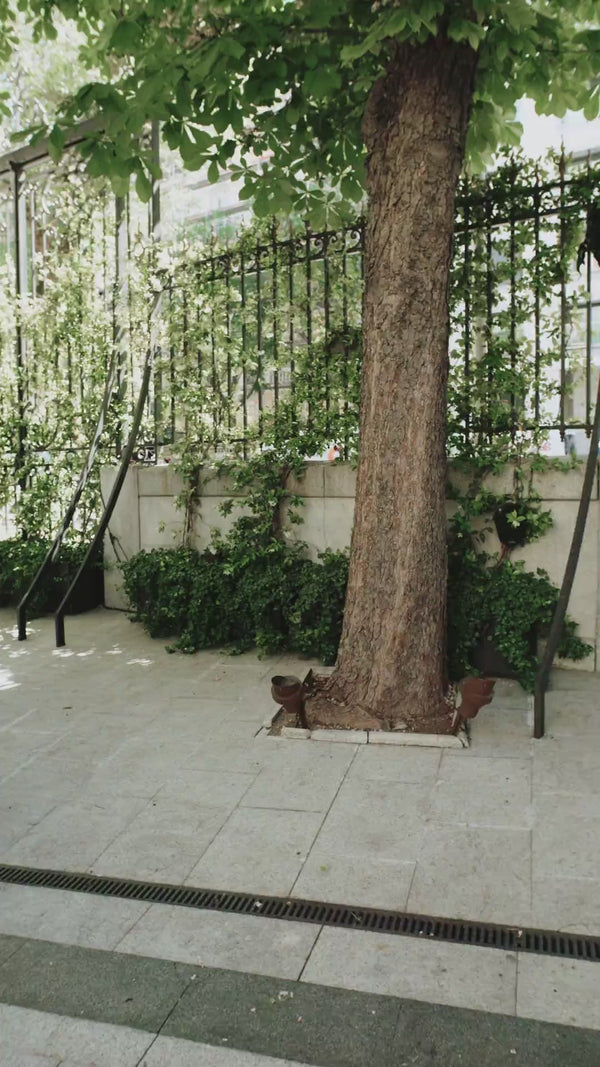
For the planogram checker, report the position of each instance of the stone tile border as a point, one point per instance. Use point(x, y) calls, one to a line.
point(366, 737)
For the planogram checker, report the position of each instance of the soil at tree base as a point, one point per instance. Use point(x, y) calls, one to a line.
point(325, 709)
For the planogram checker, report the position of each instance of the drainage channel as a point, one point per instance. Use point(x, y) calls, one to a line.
point(373, 920)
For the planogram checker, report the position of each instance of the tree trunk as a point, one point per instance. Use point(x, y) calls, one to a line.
point(391, 662)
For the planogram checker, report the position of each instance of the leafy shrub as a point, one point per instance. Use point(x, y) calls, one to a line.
point(505, 603)
point(19, 562)
point(267, 595)
point(270, 598)
point(317, 615)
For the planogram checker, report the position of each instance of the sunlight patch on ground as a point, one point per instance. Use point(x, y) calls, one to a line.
point(7, 680)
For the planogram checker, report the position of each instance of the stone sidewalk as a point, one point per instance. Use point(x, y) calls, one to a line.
point(119, 759)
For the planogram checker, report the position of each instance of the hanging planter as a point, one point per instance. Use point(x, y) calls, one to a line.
point(513, 524)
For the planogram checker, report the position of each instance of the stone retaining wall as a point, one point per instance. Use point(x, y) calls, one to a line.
point(146, 517)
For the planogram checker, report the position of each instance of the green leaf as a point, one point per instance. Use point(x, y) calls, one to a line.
point(322, 81)
point(119, 186)
point(56, 143)
point(143, 186)
point(228, 46)
point(591, 106)
point(125, 38)
point(213, 172)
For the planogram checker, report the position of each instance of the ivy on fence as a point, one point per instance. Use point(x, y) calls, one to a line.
point(258, 341)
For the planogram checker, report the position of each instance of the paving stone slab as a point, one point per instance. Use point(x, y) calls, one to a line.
point(378, 883)
point(429, 1035)
point(117, 988)
point(299, 780)
point(566, 837)
point(9, 944)
point(168, 1051)
point(38, 1037)
point(568, 904)
point(258, 850)
point(74, 834)
point(296, 1022)
point(70, 918)
point(570, 766)
point(483, 792)
point(559, 991)
point(213, 939)
point(163, 843)
point(375, 819)
point(379, 763)
point(479, 873)
point(461, 975)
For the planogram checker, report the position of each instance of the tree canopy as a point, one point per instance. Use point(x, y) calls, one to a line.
point(290, 78)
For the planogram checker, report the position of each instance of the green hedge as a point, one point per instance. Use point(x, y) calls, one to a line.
point(276, 600)
point(19, 562)
point(273, 600)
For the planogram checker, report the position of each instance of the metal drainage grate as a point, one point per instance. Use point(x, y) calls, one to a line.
point(458, 931)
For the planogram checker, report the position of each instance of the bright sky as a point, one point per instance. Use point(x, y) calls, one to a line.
point(541, 132)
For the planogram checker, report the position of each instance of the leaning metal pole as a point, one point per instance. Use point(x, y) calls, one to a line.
point(68, 516)
point(94, 549)
point(543, 674)
point(127, 455)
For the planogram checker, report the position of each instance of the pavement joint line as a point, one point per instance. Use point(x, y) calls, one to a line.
point(434, 929)
point(322, 823)
point(309, 954)
point(166, 1019)
point(11, 725)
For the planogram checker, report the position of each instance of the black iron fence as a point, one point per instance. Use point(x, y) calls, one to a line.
point(261, 337)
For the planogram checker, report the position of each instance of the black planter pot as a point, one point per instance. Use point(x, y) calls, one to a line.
point(88, 594)
point(490, 661)
point(510, 535)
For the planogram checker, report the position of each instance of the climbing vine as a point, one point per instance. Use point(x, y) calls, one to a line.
point(257, 360)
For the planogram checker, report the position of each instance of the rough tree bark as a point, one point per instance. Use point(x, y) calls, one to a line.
point(391, 662)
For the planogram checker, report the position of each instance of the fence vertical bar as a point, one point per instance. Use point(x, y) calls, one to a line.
point(244, 350)
point(228, 332)
point(346, 354)
point(184, 344)
point(213, 347)
point(291, 338)
point(171, 362)
point(489, 303)
point(129, 306)
point(536, 298)
point(155, 237)
point(259, 336)
point(467, 305)
point(275, 319)
point(563, 293)
point(119, 329)
point(327, 324)
point(20, 232)
point(308, 271)
point(588, 331)
point(513, 305)
point(32, 226)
